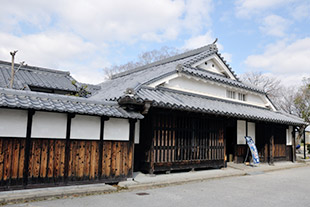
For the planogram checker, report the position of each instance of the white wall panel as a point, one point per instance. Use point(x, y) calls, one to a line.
point(289, 135)
point(49, 125)
point(13, 123)
point(251, 130)
point(137, 132)
point(116, 129)
point(241, 131)
point(85, 127)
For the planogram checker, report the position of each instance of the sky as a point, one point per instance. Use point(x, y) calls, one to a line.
point(86, 36)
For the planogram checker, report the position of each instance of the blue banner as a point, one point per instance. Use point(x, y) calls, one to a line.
point(253, 149)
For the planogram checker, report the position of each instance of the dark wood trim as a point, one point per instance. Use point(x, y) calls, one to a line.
point(67, 149)
point(132, 126)
point(27, 147)
point(293, 145)
point(271, 144)
point(102, 120)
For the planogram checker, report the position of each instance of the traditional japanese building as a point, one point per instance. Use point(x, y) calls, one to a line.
point(197, 113)
point(184, 112)
point(49, 137)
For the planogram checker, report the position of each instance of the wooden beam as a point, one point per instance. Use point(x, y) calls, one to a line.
point(293, 145)
point(67, 150)
point(102, 120)
point(132, 124)
point(27, 147)
point(271, 144)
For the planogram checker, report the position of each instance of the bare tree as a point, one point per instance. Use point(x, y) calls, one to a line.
point(302, 100)
point(270, 85)
point(143, 59)
point(282, 97)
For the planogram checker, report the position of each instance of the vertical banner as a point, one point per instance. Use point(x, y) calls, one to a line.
point(253, 149)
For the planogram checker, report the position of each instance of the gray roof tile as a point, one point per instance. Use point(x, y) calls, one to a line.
point(162, 97)
point(34, 76)
point(141, 76)
point(59, 103)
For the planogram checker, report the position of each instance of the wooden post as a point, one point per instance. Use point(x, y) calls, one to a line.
point(293, 145)
point(224, 137)
point(132, 124)
point(271, 143)
point(102, 120)
point(67, 150)
point(152, 137)
point(27, 147)
point(304, 135)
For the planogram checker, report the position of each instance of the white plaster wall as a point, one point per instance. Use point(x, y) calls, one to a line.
point(241, 132)
point(13, 123)
point(307, 137)
point(195, 86)
point(206, 88)
point(251, 98)
point(137, 132)
point(209, 67)
point(85, 127)
point(251, 130)
point(289, 137)
point(49, 125)
point(116, 129)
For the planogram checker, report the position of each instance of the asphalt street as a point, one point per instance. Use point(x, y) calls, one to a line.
point(279, 188)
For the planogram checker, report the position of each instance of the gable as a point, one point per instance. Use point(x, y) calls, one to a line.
point(199, 86)
point(215, 65)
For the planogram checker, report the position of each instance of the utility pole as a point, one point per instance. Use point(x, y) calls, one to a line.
point(12, 69)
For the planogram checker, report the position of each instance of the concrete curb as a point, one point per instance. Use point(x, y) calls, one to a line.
point(134, 185)
point(53, 192)
point(27, 195)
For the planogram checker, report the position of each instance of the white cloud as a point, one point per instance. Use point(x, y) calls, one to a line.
point(301, 11)
point(283, 59)
point(62, 51)
point(48, 48)
point(246, 8)
point(227, 57)
point(274, 25)
point(75, 34)
point(105, 20)
point(199, 41)
point(197, 15)
point(202, 40)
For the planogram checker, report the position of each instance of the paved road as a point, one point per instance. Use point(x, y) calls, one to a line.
point(280, 188)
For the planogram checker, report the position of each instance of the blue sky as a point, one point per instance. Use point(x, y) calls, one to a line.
point(83, 37)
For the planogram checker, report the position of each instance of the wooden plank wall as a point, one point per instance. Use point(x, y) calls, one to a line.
point(263, 133)
point(11, 161)
point(181, 140)
point(184, 138)
point(47, 161)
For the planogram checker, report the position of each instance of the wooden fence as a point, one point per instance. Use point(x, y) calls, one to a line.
point(180, 141)
point(47, 161)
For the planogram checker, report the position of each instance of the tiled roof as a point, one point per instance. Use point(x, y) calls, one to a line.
point(60, 103)
point(167, 98)
point(35, 76)
point(141, 76)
